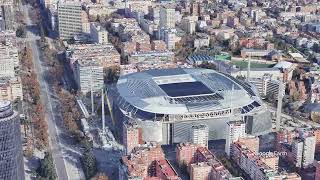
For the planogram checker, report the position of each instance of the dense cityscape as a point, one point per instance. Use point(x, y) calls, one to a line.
point(159, 90)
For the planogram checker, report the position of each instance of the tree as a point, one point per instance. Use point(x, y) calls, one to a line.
point(316, 47)
point(46, 170)
point(89, 163)
point(21, 32)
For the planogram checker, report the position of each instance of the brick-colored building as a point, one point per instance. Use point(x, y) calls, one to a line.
point(271, 160)
point(141, 162)
point(317, 135)
point(200, 171)
point(143, 47)
point(185, 153)
point(317, 165)
point(132, 136)
point(158, 45)
point(164, 170)
point(252, 142)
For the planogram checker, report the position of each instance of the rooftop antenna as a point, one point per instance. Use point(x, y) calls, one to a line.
point(249, 68)
point(102, 109)
point(91, 89)
point(279, 105)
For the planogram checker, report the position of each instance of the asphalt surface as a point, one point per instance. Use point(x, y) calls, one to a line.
point(55, 146)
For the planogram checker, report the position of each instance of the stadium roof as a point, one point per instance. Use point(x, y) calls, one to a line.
point(180, 91)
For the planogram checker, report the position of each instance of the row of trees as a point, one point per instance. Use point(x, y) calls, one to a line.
point(32, 98)
point(69, 111)
point(89, 163)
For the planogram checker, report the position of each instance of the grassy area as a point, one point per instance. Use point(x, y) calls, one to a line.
point(244, 64)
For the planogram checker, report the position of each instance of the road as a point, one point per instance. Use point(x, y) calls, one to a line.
point(55, 146)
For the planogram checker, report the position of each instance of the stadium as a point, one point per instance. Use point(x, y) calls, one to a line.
point(165, 103)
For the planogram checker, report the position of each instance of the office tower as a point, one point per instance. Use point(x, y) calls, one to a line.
point(70, 19)
point(199, 134)
point(11, 161)
point(131, 136)
point(167, 17)
point(235, 130)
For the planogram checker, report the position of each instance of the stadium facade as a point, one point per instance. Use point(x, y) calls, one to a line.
point(166, 103)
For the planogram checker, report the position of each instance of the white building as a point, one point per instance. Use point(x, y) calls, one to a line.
point(309, 146)
point(70, 19)
point(10, 89)
point(167, 17)
point(266, 86)
point(297, 149)
point(170, 38)
point(98, 33)
point(199, 134)
point(189, 25)
point(236, 130)
point(88, 75)
point(7, 67)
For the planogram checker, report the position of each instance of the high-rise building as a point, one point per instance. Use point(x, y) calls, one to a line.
point(131, 136)
point(308, 151)
point(98, 34)
point(11, 161)
point(167, 17)
point(235, 130)
point(89, 76)
point(297, 150)
point(199, 134)
point(70, 19)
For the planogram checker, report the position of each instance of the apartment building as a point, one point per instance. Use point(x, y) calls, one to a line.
point(7, 67)
point(185, 153)
point(167, 17)
point(104, 54)
point(69, 19)
point(132, 136)
point(98, 34)
point(199, 134)
point(10, 89)
point(235, 130)
point(89, 75)
point(146, 162)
